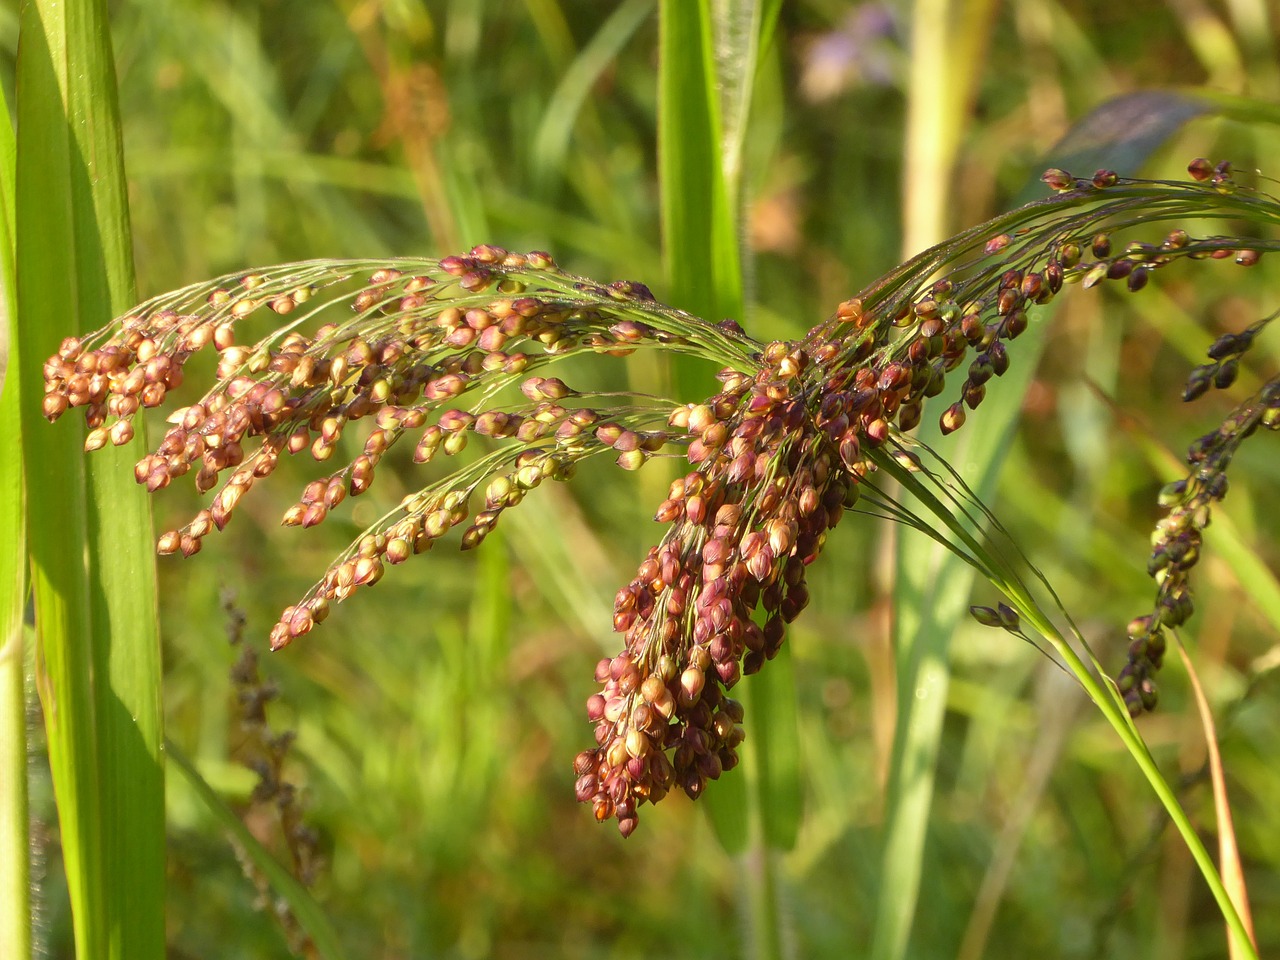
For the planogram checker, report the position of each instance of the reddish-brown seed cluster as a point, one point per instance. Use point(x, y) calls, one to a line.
point(745, 522)
point(454, 349)
point(457, 331)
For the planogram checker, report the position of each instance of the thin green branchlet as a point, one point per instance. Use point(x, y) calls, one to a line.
point(456, 354)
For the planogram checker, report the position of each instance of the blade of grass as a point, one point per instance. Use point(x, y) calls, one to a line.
point(699, 217)
point(551, 143)
point(931, 594)
point(15, 884)
point(925, 615)
point(89, 525)
point(59, 578)
point(699, 245)
point(309, 914)
point(941, 522)
point(700, 181)
point(930, 586)
point(742, 31)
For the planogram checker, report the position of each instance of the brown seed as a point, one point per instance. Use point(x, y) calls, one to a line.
point(632, 459)
point(952, 418)
point(367, 571)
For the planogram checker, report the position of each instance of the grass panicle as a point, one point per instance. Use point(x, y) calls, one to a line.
point(454, 351)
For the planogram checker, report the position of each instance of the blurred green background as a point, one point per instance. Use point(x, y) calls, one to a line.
point(438, 716)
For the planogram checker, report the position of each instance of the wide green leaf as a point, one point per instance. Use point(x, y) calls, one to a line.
point(89, 524)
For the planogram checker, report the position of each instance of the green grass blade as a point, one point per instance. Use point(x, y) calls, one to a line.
point(932, 585)
point(699, 218)
point(931, 596)
point(89, 525)
point(700, 178)
point(57, 490)
point(697, 232)
point(742, 30)
point(551, 143)
point(15, 885)
point(309, 914)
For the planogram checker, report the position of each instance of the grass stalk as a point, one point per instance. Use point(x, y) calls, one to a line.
point(931, 592)
point(930, 586)
point(700, 175)
point(994, 567)
point(1112, 708)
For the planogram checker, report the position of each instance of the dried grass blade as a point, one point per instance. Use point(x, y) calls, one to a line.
point(1228, 850)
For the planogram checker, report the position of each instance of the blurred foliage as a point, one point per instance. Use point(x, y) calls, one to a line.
point(437, 719)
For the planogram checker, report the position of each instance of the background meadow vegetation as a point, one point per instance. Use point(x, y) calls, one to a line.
point(437, 717)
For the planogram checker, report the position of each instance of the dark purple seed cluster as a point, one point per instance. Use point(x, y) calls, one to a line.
point(274, 797)
point(744, 524)
point(1189, 503)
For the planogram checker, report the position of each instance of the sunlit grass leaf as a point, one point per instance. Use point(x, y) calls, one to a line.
point(551, 142)
point(699, 216)
point(931, 597)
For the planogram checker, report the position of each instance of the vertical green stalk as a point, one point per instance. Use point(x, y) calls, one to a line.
point(931, 586)
point(98, 656)
point(15, 882)
point(699, 242)
point(708, 62)
point(699, 217)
